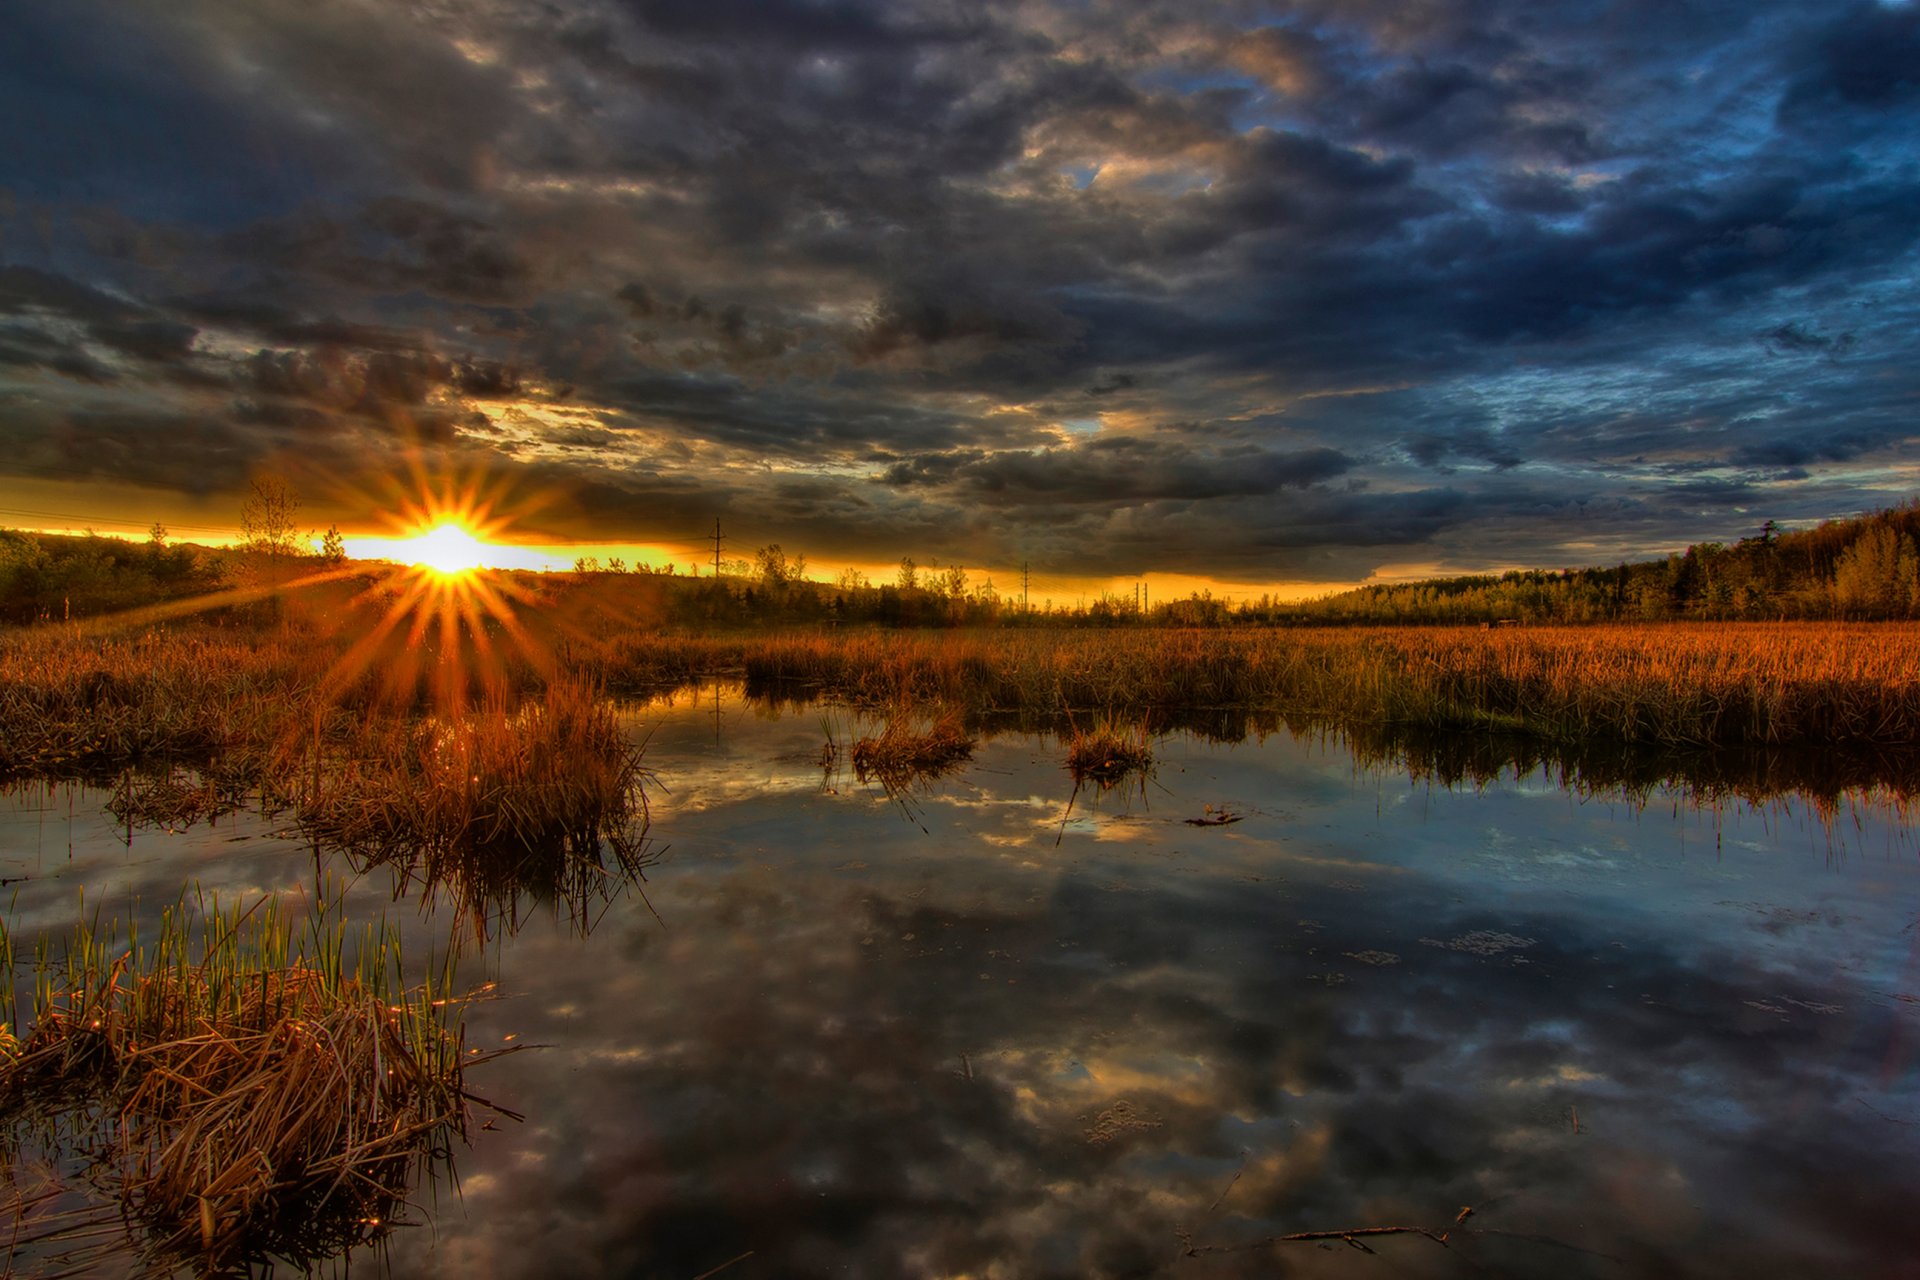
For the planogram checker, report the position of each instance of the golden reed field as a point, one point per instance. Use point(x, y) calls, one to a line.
point(72, 703)
point(1672, 684)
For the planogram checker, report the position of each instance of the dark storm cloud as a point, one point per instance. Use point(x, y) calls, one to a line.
point(1869, 57)
point(1470, 444)
point(1352, 237)
point(393, 246)
point(1793, 338)
point(186, 454)
point(26, 347)
point(1803, 451)
point(1121, 469)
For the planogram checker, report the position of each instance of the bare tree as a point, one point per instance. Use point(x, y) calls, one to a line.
point(266, 517)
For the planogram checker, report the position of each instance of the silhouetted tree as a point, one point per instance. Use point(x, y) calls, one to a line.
point(266, 517)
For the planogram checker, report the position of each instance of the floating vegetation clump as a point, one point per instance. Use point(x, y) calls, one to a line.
point(905, 752)
point(494, 804)
point(225, 1094)
point(170, 797)
point(1109, 752)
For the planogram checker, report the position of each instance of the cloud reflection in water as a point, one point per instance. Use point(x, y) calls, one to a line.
point(858, 1049)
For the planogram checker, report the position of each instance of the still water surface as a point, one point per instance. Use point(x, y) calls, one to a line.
point(992, 1028)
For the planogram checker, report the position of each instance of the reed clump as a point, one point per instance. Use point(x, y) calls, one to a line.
point(228, 1092)
point(492, 804)
point(906, 751)
point(1109, 752)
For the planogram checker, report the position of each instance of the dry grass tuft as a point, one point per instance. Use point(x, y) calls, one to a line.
point(170, 797)
point(494, 804)
point(231, 1094)
point(1109, 752)
point(903, 753)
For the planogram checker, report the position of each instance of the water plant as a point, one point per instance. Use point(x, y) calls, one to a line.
point(237, 1087)
point(907, 750)
point(170, 796)
point(545, 800)
point(1108, 752)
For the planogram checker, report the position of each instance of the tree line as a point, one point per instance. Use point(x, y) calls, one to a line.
point(1864, 568)
point(57, 577)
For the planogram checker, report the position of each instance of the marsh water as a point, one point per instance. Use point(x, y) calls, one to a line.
point(995, 1026)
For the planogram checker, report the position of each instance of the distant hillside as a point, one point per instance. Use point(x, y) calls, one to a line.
point(1864, 568)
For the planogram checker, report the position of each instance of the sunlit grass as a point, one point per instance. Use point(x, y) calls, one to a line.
point(544, 799)
point(1663, 684)
point(1108, 752)
point(238, 1086)
point(257, 708)
point(906, 751)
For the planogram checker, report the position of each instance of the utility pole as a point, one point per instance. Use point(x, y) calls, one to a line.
point(1024, 608)
point(717, 538)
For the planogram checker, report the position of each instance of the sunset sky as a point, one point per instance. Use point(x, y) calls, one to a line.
point(1264, 296)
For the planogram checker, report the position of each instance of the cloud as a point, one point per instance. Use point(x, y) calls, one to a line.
point(787, 238)
point(1864, 59)
point(1117, 470)
point(1468, 445)
point(1790, 338)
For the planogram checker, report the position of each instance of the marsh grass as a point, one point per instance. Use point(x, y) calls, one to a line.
point(909, 750)
point(1670, 685)
point(78, 706)
point(1108, 752)
point(233, 1089)
point(171, 797)
point(544, 800)
point(255, 712)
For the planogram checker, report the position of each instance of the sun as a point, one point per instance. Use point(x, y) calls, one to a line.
point(433, 624)
point(447, 549)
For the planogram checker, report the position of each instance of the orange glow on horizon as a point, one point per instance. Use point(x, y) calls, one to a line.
point(445, 624)
point(447, 549)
